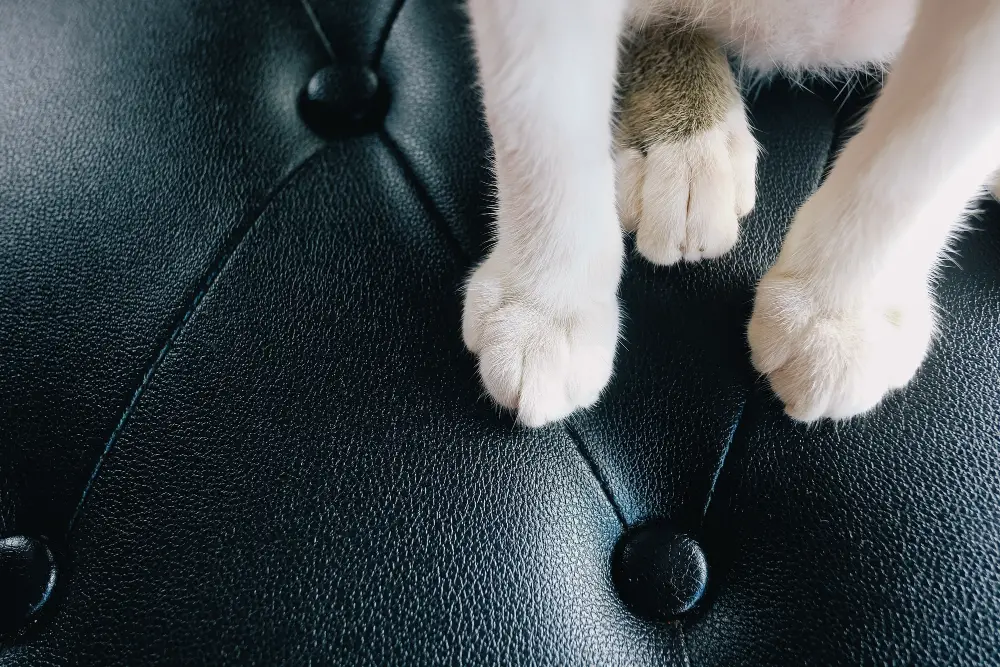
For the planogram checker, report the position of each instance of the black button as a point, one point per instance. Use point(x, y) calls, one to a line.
point(27, 577)
point(659, 573)
point(342, 100)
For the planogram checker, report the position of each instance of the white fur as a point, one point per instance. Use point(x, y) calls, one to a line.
point(797, 35)
point(837, 363)
point(684, 199)
point(845, 315)
point(542, 311)
point(537, 361)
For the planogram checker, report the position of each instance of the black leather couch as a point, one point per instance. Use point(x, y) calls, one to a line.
point(238, 425)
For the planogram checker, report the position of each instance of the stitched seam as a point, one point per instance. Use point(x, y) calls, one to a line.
point(577, 439)
point(318, 28)
point(722, 458)
point(376, 59)
point(422, 195)
point(384, 36)
point(228, 248)
point(684, 648)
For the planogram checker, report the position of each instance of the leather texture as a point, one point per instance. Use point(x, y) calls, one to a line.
point(237, 408)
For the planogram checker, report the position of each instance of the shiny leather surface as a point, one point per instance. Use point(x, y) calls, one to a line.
point(236, 405)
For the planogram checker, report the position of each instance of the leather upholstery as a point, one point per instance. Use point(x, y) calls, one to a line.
point(237, 408)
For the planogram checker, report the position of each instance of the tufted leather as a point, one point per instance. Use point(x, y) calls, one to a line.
point(236, 406)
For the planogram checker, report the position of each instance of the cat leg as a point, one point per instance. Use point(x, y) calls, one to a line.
point(686, 158)
point(541, 312)
point(846, 313)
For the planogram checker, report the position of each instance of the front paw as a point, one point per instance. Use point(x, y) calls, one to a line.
point(835, 363)
point(538, 359)
point(684, 196)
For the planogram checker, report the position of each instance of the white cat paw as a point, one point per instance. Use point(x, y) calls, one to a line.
point(825, 363)
point(684, 199)
point(540, 361)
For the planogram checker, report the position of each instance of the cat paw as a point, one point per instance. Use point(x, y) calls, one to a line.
point(827, 363)
point(684, 198)
point(537, 360)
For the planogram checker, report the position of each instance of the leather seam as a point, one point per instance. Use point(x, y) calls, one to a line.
point(423, 195)
point(376, 58)
point(577, 439)
point(722, 458)
point(400, 157)
point(232, 242)
point(318, 29)
point(390, 21)
point(683, 641)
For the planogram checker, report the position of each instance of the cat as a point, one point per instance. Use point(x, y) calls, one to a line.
point(845, 315)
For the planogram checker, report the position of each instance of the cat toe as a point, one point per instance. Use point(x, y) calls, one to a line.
point(684, 197)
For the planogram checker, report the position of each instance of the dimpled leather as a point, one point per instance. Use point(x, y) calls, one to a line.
point(236, 406)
